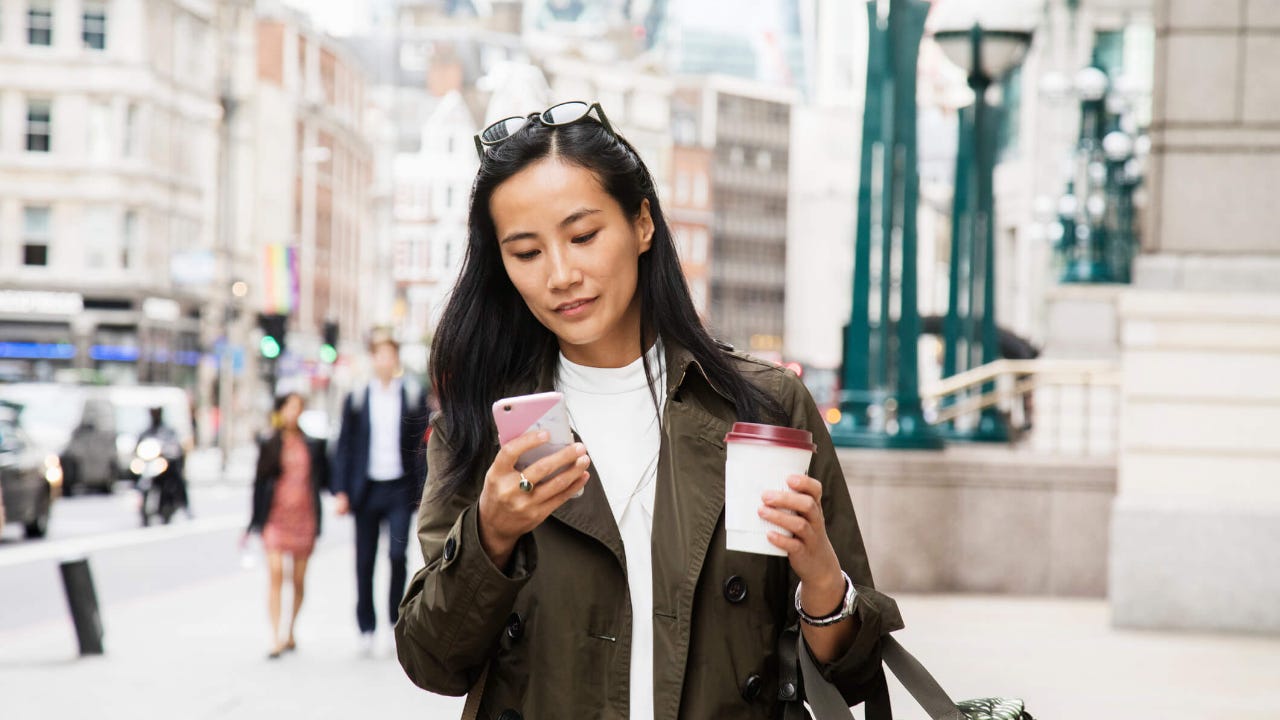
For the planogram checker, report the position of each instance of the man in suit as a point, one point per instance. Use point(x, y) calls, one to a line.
point(378, 471)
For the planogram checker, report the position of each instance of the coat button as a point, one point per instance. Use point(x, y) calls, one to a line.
point(735, 589)
point(751, 688)
point(515, 627)
point(510, 715)
point(787, 691)
point(450, 549)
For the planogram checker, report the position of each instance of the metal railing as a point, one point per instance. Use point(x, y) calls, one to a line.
point(1060, 406)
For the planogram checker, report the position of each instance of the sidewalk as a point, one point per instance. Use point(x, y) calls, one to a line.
point(200, 653)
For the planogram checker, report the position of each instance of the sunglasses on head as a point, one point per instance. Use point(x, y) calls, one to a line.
point(566, 113)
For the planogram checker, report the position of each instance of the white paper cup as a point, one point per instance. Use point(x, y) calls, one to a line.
point(759, 458)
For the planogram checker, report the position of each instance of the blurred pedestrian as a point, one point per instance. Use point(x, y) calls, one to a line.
point(292, 468)
point(623, 602)
point(378, 472)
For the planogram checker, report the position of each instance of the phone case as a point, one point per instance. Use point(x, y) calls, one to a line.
point(516, 416)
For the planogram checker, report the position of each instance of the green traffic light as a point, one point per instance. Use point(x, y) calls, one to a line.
point(270, 347)
point(328, 354)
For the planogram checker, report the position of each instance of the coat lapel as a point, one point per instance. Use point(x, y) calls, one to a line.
point(589, 514)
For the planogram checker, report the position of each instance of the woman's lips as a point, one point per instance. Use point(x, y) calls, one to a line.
point(576, 308)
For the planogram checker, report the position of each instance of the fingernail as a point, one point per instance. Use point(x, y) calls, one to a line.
point(580, 448)
point(769, 496)
point(544, 435)
point(584, 460)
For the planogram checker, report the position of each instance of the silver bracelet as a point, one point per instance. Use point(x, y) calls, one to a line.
point(843, 612)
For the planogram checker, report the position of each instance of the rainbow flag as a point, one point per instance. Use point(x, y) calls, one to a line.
point(280, 286)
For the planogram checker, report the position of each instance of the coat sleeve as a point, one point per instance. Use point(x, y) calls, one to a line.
point(455, 607)
point(261, 477)
point(338, 481)
point(855, 672)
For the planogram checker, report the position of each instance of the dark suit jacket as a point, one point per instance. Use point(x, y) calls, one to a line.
point(264, 481)
point(351, 458)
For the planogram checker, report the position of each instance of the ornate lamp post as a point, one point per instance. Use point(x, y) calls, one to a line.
point(986, 39)
point(1096, 241)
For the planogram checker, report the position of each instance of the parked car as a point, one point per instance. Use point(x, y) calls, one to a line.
point(132, 405)
point(75, 422)
point(30, 478)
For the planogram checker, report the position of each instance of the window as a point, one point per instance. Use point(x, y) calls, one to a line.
point(40, 23)
point(737, 156)
point(99, 238)
point(129, 244)
point(36, 233)
point(95, 25)
point(682, 187)
point(131, 137)
point(99, 127)
point(764, 160)
point(39, 125)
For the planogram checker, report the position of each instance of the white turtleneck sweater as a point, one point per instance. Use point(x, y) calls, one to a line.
point(612, 410)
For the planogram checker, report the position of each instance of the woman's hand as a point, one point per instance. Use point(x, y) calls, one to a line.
point(812, 557)
point(507, 512)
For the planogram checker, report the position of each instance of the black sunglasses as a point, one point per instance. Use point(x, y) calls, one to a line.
point(566, 113)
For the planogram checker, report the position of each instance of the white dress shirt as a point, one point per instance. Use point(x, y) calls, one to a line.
point(612, 410)
point(384, 431)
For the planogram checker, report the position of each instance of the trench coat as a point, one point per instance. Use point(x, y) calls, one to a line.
point(554, 630)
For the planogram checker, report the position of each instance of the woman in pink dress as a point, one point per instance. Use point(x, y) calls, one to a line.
point(292, 468)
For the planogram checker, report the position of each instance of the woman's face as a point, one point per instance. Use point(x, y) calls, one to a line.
point(573, 255)
point(290, 411)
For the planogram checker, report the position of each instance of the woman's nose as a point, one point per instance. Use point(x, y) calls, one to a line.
point(562, 272)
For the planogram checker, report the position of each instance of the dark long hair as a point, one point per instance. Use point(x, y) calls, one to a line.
point(488, 345)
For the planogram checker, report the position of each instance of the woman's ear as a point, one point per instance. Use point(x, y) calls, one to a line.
point(644, 226)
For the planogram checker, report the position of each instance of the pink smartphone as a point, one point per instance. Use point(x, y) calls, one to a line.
point(516, 416)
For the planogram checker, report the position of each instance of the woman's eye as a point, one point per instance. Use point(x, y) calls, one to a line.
point(585, 238)
point(528, 255)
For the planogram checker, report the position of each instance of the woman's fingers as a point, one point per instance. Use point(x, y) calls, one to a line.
point(796, 524)
point(549, 466)
point(804, 501)
point(563, 477)
point(508, 454)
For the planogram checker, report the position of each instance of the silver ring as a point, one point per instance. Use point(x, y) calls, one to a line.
point(525, 485)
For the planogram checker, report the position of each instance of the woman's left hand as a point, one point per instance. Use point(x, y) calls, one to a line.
point(812, 557)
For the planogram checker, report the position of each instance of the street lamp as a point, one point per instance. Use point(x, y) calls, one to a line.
point(1098, 240)
point(987, 39)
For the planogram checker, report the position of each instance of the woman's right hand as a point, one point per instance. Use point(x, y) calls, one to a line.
point(507, 512)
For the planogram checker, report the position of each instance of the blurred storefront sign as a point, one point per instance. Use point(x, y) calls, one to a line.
point(29, 302)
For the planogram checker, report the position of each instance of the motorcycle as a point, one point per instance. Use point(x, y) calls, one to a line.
point(157, 464)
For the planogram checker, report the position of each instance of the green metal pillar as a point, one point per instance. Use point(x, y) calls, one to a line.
point(959, 265)
point(888, 197)
point(856, 379)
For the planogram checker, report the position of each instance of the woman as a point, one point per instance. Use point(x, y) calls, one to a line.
point(286, 508)
point(623, 602)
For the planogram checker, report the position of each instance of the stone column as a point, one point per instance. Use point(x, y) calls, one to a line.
point(1196, 524)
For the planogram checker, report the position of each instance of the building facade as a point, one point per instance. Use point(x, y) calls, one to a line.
point(745, 127)
point(109, 118)
point(311, 178)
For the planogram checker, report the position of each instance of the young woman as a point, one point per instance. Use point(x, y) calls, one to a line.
point(624, 602)
point(292, 468)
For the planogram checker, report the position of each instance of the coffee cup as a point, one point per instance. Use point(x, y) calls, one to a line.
point(759, 458)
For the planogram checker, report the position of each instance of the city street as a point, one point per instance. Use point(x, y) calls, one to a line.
point(186, 636)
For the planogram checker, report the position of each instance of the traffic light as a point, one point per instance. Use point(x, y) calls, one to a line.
point(329, 348)
point(273, 334)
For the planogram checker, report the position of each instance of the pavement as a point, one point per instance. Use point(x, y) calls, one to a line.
point(186, 637)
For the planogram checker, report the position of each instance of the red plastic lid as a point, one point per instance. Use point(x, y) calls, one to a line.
point(771, 434)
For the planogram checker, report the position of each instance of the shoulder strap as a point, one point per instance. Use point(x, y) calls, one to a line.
point(828, 704)
point(471, 710)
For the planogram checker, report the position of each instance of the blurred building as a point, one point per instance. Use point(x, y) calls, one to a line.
point(434, 66)
point(310, 175)
point(746, 128)
point(108, 187)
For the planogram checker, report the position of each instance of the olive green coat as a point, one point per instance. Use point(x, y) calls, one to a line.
point(556, 631)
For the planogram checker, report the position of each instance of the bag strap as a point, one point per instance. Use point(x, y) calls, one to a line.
point(472, 708)
point(827, 703)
